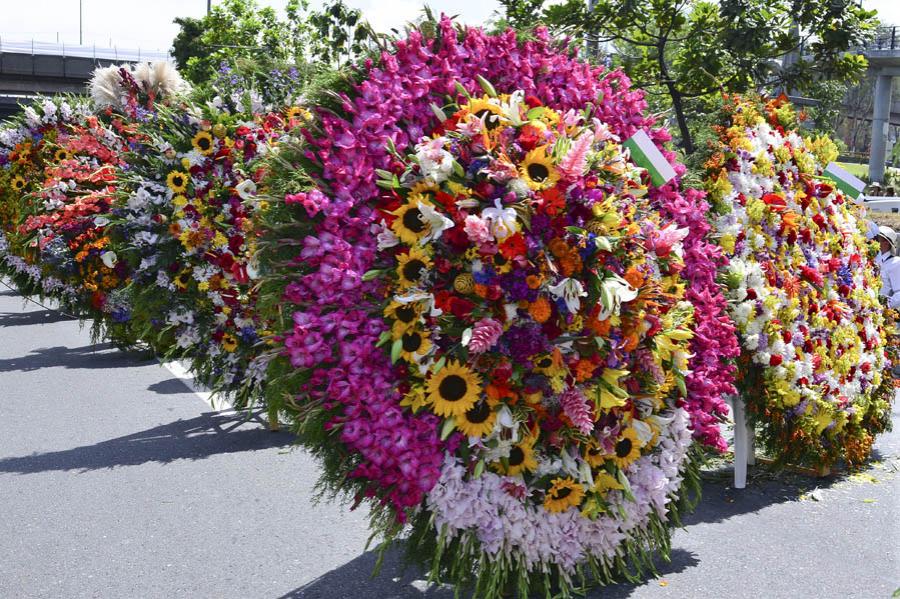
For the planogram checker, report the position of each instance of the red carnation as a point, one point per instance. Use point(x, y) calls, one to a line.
point(513, 246)
point(775, 360)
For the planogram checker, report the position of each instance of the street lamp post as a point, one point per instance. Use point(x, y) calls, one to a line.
point(80, 38)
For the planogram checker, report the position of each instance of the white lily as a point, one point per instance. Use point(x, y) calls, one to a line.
point(109, 258)
point(503, 220)
point(246, 189)
point(614, 291)
point(437, 222)
point(571, 291)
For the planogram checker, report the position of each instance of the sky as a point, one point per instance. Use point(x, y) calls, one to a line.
point(148, 25)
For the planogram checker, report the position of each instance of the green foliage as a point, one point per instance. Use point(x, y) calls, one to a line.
point(689, 49)
point(236, 30)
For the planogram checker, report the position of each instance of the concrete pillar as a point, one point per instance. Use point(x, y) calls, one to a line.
point(880, 122)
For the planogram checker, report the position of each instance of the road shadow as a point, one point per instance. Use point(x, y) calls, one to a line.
point(97, 356)
point(170, 387)
point(398, 580)
point(210, 434)
point(354, 580)
point(18, 319)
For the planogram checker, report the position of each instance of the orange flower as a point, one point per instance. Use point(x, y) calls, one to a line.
point(481, 290)
point(534, 281)
point(599, 327)
point(540, 309)
point(635, 277)
point(584, 369)
point(500, 391)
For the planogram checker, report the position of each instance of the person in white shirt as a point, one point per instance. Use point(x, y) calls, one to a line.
point(890, 266)
point(890, 273)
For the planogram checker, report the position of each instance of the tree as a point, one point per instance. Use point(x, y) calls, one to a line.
point(690, 49)
point(241, 30)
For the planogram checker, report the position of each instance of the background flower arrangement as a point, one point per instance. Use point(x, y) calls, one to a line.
point(27, 148)
point(418, 320)
point(802, 286)
point(186, 229)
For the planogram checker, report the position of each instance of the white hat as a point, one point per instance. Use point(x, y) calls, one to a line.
point(888, 234)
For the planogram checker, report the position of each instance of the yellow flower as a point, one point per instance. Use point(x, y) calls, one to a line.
point(405, 315)
point(521, 458)
point(17, 183)
point(604, 481)
point(229, 342)
point(611, 394)
point(628, 448)
point(414, 399)
point(484, 108)
point(453, 390)
point(537, 170)
point(478, 420)
point(412, 266)
point(177, 181)
point(414, 345)
point(203, 143)
point(408, 225)
point(563, 494)
point(61, 155)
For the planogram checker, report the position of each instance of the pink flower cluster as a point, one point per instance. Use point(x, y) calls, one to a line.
point(401, 454)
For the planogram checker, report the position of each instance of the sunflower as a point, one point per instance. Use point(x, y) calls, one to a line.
point(203, 143)
point(414, 344)
point(405, 315)
point(537, 170)
point(411, 266)
point(628, 448)
point(521, 458)
point(594, 455)
point(563, 494)
point(481, 108)
point(296, 112)
point(61, 155)
point(551, 364)
point(408, 225)
point(182, 279)
point(453, 390)
point(501, 264)
point(478, 420)
point(177, 181)
point(18, 183)
point(229, 342)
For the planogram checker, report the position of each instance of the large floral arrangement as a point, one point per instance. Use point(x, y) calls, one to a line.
point(803, 289)
point(186, 229)
point(491, 316)
point(28, 146)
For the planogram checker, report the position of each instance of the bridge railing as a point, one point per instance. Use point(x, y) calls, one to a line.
point(882, 204)
point(887, 39)
point(52, 49)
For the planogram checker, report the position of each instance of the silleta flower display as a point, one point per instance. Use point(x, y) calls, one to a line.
point(495, 321)
point(803, 289)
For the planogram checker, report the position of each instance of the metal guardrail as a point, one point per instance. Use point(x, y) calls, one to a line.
point(887, 39)
point(51, 49)
point(883, 204)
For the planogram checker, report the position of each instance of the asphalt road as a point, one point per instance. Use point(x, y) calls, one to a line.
point(117, 481)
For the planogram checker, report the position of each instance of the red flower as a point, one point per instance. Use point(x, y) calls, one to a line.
point(554, 201)
point(775, 360)
point(812, 275)
point(775, 202)
point(513, 246)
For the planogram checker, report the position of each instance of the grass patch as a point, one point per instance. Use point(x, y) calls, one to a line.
point(857, 170)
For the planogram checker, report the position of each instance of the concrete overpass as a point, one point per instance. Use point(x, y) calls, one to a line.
point(883, 54)
point(28, 69)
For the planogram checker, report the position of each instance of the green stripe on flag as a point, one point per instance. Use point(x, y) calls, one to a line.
point(645, 154)
point(846, 182)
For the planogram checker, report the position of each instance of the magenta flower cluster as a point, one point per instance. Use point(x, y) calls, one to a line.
point(400, 454)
